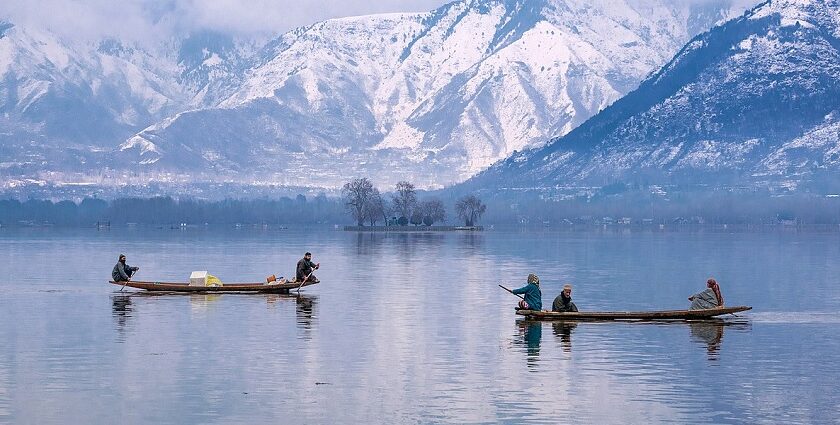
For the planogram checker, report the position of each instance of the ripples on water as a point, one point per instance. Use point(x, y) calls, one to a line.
point(412, 328)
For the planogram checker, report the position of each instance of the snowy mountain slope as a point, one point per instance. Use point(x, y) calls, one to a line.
point(431, 97)
point(66, 104)
point(37, 68)
point(61, 102)
point(753, 101)
point(211, 66)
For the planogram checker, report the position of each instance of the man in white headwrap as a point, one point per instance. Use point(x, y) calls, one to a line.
point(563, 302)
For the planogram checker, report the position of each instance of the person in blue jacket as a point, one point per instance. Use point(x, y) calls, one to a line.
point(532, 293)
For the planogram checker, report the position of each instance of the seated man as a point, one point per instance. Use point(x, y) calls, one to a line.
point(305, 267)
point(533, 295)
point(563, 303)
point(122, 272)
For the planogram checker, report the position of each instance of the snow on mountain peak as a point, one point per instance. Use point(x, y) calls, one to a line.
point(430, 97)
point(435, 97)
point(809, 13)
point(751, 102)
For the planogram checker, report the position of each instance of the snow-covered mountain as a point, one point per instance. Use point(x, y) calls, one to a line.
point(755, 101)
point(60, 103)
point(430, 97)
point(65, 105)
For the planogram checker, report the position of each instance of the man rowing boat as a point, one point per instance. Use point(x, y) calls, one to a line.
point(533, 295)
point(305, 267)
point(122, 272)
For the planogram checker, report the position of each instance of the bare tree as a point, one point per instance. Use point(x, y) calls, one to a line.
point(470, 209)
point(405, 200)
point(384, 208)
point(433, 211)
point(357, 195)
point(376, 208)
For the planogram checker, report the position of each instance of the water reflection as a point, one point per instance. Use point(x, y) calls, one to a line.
point(201, 302)
point(369, 243)
point(305, 311)
point(408, 243)
point(121, 310)
point(529, 336)
point(403, 244)
point(563, 332)
point(710, 334)
point(255, 358)
point(473, 240)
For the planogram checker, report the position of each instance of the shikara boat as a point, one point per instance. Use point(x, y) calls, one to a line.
point(227, 287)
point(633, 315)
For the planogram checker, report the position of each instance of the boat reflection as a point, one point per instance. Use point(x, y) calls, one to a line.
point(563, 332)
point(123, 308)
point(708, 333)
point(202, 301)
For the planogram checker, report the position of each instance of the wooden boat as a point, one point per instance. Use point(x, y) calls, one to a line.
point(227, 287)
point(633, 315)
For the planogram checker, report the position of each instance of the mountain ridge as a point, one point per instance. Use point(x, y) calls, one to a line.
point(448, 93)
point(731, 103)
point(429, 97)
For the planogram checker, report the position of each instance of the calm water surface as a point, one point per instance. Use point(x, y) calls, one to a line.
point(411, 328)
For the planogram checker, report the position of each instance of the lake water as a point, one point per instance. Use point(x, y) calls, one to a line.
point(412, 328)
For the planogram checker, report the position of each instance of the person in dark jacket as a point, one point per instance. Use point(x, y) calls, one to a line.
point(122, 272)
point(305, 267)
point(563, 303)
point(533, 295)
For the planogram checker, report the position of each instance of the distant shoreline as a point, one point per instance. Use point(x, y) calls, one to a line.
point(412, 228)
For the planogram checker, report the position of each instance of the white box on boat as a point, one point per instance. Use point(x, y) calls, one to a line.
point(198, 278)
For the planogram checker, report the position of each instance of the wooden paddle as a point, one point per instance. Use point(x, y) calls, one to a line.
point(129, 278)
point(304, 280)
point(506, 289)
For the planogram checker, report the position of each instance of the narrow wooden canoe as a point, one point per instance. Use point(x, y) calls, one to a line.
point(227, 287)
point(632, 315)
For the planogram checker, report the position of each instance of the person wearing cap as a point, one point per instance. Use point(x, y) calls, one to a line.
point(708, 298)
point(305, 267)
point(563, 303)
point(532, 294)
point(122, 272)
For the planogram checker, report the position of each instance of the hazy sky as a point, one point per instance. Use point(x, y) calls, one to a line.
point(155, 19)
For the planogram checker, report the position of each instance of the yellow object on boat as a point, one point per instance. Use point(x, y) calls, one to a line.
point(212, 281)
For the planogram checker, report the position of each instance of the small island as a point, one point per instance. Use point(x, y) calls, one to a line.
point(412, 228)
point(403, 212)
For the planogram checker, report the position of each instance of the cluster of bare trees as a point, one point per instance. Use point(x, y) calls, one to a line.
point(470, 209)
point(367, 205)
